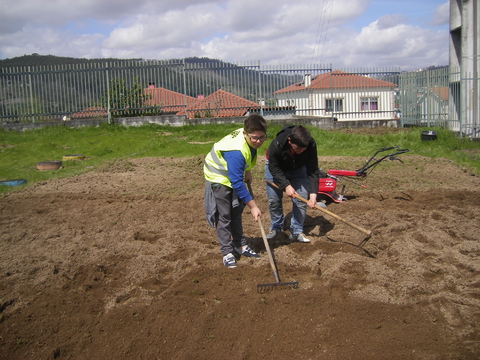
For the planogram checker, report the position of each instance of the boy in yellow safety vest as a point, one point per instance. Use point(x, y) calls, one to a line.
point(227, 168)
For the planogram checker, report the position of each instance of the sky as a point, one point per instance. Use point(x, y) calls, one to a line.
point(409, 34)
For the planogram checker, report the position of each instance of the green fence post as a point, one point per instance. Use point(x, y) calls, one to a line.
point(109, 115)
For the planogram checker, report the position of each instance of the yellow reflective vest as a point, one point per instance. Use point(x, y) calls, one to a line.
point(215, 168)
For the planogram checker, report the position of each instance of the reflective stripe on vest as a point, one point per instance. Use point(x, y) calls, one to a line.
point(215, 167)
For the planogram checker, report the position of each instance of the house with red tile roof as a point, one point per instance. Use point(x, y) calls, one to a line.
point(441, 92)
point(433, 104)
point(341, 95)
point(168, 101)
point(221, 103)
point(90, 113)
point(164, 100)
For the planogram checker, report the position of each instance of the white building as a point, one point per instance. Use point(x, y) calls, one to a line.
point(464, 55)
point(341, 96)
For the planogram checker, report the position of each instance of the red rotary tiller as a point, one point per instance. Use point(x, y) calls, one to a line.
point(327, 186)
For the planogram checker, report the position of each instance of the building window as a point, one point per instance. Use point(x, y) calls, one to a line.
point(334, 105)
point(369, 103)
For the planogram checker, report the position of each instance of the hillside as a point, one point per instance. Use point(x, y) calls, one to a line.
point(46, 60)
point(77, 85)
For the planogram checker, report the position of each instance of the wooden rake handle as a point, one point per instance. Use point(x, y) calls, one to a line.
point(357, 227)
point(269, 252)
point(265, 242)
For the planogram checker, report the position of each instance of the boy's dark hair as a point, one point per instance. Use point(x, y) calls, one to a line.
point(300, 136)
point(254, 122)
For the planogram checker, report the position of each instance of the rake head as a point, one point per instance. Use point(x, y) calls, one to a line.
point(364, 241)
point(264, 288)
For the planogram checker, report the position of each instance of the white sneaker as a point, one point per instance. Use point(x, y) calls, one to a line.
point(272, 234)
point(299, 237)
point(229, 261)
point(247, 252)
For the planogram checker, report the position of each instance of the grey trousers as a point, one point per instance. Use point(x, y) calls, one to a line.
point(228, 218)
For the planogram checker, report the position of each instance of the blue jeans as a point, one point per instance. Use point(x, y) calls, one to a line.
point(298, 179)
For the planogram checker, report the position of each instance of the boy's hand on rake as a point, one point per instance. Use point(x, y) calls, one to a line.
point(290, 191)
point(312, 201)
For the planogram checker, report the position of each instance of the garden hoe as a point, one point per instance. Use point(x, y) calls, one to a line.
point(359, 228)
point(263, 288)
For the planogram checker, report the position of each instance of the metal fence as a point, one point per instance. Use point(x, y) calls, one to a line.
point(45, 93)
point(446, 97)
point(425, 98)
point(466, 103)
point(211, 88)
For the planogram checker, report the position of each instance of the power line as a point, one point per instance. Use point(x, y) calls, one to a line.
point(326, 31)
point(319, 29)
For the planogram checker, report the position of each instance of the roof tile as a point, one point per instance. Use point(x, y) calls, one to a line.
point(220, 104)
point(338, 80)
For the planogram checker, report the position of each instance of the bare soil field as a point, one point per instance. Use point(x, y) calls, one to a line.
point(119, 263)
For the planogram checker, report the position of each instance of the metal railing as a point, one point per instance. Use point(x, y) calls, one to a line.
point(445, 97)
point(425, 98)
point(210, 88)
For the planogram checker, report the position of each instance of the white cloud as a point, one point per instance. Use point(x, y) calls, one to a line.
point(390, 21)
point(441, 15)
point(171, 29)
point(272, 31)
point(399, 45)
point(50, 41)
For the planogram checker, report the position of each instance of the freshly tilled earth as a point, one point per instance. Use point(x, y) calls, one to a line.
point(119, 263)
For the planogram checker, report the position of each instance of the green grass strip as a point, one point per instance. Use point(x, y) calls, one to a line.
point(21, 151)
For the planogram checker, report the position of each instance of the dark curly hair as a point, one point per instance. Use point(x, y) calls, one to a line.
point(254, 122)
point(300, 136)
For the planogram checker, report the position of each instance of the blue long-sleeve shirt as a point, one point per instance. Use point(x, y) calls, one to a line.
point(236, 166)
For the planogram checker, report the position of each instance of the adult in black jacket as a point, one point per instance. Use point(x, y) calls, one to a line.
point(292, 164)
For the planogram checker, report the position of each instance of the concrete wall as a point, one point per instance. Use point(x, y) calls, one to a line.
point(173, 120)
point(328, 124)
point(33, 126)
point(168, 120)
point(178, 120)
